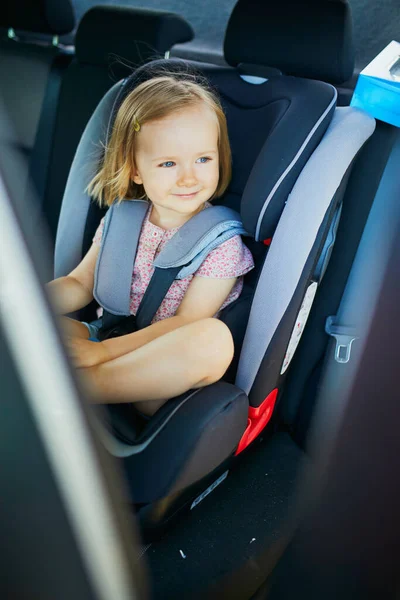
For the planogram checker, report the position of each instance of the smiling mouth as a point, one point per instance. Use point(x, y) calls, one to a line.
point(186, 195)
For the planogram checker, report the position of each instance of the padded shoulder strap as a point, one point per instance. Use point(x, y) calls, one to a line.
point(188, 248)
point(113, 276)
point(198, 237)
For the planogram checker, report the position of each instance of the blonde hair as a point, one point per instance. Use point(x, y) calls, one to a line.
point(154, 99)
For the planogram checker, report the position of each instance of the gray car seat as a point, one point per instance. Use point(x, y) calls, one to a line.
point(110, 41)
point(31, 63)
point(292, 155)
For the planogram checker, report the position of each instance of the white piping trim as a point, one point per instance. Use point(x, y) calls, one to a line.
point(290, 167)
point(52, 399)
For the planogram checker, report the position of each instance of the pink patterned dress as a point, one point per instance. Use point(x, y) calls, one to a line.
point(230, 259)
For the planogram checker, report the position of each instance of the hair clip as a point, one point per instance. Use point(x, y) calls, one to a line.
point(136, 125)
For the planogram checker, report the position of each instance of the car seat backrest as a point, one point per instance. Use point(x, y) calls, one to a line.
point(290, 277)
point(110, 41)
point(26, 61)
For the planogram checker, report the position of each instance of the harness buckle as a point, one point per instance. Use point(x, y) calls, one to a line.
point(344, 336)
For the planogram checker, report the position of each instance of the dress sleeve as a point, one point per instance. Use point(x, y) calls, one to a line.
point(230, 259)
point(99, 233)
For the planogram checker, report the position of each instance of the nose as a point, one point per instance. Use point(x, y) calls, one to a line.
point(187, 177)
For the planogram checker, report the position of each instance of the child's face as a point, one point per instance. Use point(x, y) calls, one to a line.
point(177, 160)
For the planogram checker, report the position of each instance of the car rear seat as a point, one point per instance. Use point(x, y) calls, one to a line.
point(28, 59)
point(110, 41)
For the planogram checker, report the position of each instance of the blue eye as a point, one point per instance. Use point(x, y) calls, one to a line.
point(204, 159)
point(167, 164)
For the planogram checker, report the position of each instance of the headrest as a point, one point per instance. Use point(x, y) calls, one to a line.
point(134, 34)
point(310, 39)
point(155, 68)
point(54, 17)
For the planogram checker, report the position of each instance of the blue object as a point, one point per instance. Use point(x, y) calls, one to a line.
point(93, 330)
point(378, 86)
point(379, 97)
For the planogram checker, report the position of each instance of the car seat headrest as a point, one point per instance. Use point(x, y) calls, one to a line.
point(310, 39)
point(54, 17)
point(136, 35)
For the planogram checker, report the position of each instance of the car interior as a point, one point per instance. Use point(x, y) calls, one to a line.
point(210, 477)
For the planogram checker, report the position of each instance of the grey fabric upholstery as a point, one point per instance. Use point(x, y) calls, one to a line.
point(301, 220)
point(113, 278)
point(297, 158)
point(204, 426)
point(68, 251)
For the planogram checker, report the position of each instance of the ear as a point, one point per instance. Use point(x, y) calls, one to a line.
point(136, 176)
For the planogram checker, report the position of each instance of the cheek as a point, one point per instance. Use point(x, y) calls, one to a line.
point(216, 173)
point(162, 178)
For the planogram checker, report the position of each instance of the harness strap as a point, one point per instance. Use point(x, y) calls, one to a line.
point(181, 256)
point(159, 284)
point(113, 275)
point(116, 325)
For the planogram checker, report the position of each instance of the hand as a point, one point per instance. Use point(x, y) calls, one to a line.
point(85, 353)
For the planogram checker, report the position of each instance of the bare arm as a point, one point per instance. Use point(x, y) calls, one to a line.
point(75, 291)
point(203, 299)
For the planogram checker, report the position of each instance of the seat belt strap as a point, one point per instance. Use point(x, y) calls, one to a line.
point(113, 276)
point(40, 160)
point(161, 281)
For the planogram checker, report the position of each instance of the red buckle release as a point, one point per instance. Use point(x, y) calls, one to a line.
point(267, 242)
point(258, 419)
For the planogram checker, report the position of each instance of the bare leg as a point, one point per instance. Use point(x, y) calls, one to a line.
point(192, 356)
point(73, 328)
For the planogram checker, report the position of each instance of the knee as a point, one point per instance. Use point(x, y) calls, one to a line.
point(215, 344)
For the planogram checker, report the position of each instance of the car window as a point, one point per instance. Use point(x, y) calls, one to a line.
point(375, 23)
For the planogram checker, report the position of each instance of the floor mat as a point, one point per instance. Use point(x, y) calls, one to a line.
point(226, 533)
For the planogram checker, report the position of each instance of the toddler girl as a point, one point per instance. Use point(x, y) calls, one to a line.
point(169, 144)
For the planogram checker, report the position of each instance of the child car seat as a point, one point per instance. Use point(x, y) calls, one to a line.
point(292, 153)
